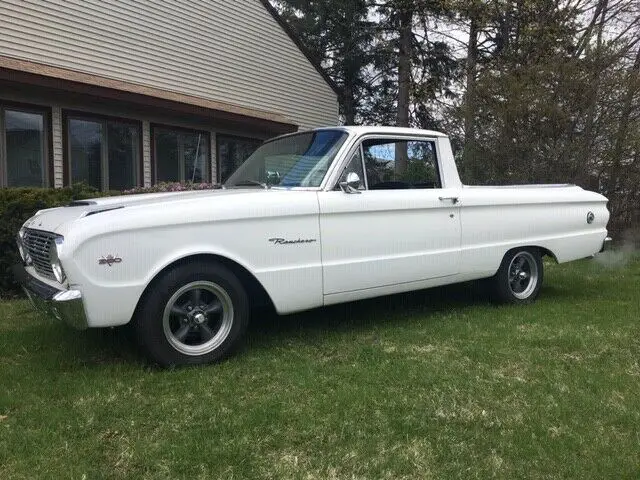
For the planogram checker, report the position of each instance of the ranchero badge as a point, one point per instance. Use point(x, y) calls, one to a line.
point(109, 260)
point(284, 241)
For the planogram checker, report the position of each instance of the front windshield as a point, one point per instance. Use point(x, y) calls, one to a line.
point(299, 160)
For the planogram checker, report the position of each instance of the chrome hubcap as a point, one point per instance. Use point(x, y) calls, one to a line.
point(198, 318)
point(523, 275)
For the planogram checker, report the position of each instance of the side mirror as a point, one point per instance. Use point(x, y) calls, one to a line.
point(273, 177)
point(351, 184)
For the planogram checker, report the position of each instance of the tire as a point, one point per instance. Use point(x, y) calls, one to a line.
point(192, 314)
point(519, 277)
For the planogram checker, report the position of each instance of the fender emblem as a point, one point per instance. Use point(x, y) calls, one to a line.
point(282, 241)
point(109, 260)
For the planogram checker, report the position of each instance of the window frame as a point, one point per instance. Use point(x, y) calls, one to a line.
point(358, 144)
point(154, 163)
point(350, 155)
point(68, 115)
point(47, 147)
point(218, 179)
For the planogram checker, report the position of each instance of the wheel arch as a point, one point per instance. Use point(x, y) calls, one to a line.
point(257, 294)
point(543, 251)
point(546, 252)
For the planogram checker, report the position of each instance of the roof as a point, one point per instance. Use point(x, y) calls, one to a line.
point(361, 130)
point(298, 41)
point(376, 130)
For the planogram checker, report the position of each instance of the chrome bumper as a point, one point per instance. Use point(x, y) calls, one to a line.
point(606, 244)
point(65, 305)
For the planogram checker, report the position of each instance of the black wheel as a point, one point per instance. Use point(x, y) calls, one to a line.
point(193, 314)
point(519, 277)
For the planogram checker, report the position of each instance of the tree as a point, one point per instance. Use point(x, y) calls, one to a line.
point(532, 91)
point(339, 35)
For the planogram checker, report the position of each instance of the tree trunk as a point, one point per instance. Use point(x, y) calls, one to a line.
point(469, 154)
point(404, 82)
point(351, 65)
point(349, 104)
point(404, 67)
point(349, 101)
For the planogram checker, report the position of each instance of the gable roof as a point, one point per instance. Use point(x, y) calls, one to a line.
point(298, 41)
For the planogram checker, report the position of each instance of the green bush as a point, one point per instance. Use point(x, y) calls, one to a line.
point(16, 206)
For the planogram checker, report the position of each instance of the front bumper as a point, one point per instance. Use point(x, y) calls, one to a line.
point(65, 305)
point(606, 244)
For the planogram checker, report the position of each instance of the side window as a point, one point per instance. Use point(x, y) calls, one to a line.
point(397, 164)
point(354, 166)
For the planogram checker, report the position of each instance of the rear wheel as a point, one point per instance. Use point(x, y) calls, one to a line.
point(193, 314)
point(519, 277)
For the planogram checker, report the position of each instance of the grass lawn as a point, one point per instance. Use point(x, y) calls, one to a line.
point(432, 384)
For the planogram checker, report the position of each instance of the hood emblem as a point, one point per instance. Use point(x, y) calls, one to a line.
point(109, 260)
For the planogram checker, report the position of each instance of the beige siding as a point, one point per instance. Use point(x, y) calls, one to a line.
point(228, 51)
point(57, 142)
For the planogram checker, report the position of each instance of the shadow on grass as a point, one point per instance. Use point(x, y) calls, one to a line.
point(267, 326)
point(49, 340)
point(96, 347)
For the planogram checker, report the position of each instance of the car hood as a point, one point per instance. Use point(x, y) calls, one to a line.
point(51, 219)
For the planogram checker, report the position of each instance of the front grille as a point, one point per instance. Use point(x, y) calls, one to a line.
point(38, 245)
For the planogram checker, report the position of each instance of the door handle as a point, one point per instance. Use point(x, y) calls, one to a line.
point(454, 200)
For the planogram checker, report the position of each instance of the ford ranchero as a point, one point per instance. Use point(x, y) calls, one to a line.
point(309, 219)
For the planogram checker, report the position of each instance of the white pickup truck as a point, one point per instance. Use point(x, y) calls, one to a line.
point(310, 219)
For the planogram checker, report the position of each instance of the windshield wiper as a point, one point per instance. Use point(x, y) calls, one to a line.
point(245, 183)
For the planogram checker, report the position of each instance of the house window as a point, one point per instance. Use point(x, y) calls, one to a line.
point(104, 153)
point(232, 151)
point(23, 148)
point(181, 155)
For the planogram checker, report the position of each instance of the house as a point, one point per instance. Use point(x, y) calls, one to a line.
point(129, 93)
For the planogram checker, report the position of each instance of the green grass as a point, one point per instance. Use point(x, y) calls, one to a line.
point(432, 384)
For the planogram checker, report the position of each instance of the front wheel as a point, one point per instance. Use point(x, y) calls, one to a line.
point(519, 277)
point(193, 314)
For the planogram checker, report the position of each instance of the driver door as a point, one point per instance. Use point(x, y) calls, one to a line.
point(398, 226)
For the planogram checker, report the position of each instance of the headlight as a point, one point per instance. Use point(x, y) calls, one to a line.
point(55, 263)
point(24, 254)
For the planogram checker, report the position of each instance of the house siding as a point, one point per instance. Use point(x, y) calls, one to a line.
point(233, 52)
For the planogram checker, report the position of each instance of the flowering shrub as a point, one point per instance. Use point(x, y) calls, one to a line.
point(172, 187)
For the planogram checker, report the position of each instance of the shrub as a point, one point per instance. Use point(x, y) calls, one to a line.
point(16, 206)
point(172, 187)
